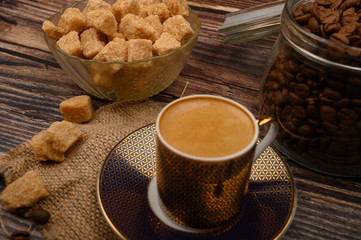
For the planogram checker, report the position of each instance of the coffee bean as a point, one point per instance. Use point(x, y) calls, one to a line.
point(326, 100)
point(328, 113)
point(331, 28)
point(346, 115)
point(277, 97)
point(20, 235)
point(344, 102)
point(39, 216)
point(313, 25)
point(302, 90)
point(303, 19)
point(329, 127)
point(306, 8)
point(324, 2)
point(294, 99)
point(356, 102)
point(328, 92)
point(350, 3)
point(312, 111)
point(273, 85)
point(297, 13)
point(306, 131)
point(339, 38)
point(314, 123)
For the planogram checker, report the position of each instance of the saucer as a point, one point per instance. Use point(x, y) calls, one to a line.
point(124, 177)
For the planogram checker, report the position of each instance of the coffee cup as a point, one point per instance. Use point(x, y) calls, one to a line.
point(205, 148)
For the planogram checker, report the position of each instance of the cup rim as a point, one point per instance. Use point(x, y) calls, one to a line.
point(243, 151)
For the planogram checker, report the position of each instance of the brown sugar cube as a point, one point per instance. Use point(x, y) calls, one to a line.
point(77, 109)
point(51, 30)
point(92, 41)
point(143, 11)
point(123, 7)
point(71, 20)
point(24, 192)
point(154, 21)
point(143, 3)
point(160, 10)
point(135, 27)
point(177, 7)
point(70, 43)
point(103, 20)
point(116, 35)
point(165, 44)
point(104, 79)
point(62, 135)
point(43, 150)
point(179, 27)
point(115, 50)
point(96, 5)
point(139, 49)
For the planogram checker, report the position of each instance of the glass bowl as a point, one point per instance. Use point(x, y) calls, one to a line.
point(124, 81)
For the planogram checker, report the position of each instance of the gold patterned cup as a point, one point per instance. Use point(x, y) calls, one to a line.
point(205, 148)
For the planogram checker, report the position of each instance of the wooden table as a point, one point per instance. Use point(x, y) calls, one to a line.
point(32, 85)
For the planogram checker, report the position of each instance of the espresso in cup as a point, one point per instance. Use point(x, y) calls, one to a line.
point(205, 148)
point(208, 128)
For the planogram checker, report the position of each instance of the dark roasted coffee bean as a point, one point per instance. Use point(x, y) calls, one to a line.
point(356, 102)
point(297, 13)
point(328, 92)
point(303, 19)
point(273, 85)
point(295, 67)
point(302, 90)
point(339, 38)
point(344, 102)
point(332, 18)
point(314, 123)
point(20, 235)
point(39, 216)
point(306, 8)
point(313, 25)
point(329, 127)
point(299, 113)
point(346, 115)
point(331, 28)
point(350, 3)
point(312, 111)
point(277, 97)
point(310, 73)
point(306, 131)
point(294, 99)
point(324, 2)
point(282, 78)
point(328, 113)
point(326, 100)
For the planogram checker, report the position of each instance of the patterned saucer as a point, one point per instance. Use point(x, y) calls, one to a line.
point(126, 173)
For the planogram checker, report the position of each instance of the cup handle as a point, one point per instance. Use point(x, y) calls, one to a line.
point(270, 136)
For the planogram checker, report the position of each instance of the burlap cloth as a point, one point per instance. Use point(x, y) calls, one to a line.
point(72, 184)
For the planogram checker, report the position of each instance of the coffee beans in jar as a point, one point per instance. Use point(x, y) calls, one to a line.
point(312, 85)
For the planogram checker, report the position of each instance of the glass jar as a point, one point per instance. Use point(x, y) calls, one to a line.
point(312, 86)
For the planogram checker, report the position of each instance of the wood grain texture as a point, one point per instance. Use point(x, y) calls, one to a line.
point(32, 85)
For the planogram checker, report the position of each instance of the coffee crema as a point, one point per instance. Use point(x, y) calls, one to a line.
point(206, 127)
